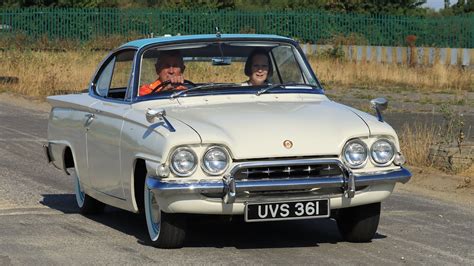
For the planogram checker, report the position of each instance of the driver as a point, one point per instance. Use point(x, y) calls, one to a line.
point(169, 67)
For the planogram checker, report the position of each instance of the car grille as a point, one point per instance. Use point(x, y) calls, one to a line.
point(288, 171)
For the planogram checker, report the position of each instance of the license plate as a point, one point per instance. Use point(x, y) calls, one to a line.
point(287, 210)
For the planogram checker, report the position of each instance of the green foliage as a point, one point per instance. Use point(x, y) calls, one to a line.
point(364, 6)
point(461, 7)
point(279, 4)
point(395, 7)
point(453, 125)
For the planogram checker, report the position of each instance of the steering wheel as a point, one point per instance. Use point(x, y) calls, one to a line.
point(166, 83)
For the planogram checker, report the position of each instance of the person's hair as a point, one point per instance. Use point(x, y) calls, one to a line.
point(248, 63)
point(170, 53)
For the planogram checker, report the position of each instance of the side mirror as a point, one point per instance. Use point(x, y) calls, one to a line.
point(161, 114)
point(151, 114)
point(379, 104)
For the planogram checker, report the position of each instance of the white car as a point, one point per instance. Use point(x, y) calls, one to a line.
point(219, 145)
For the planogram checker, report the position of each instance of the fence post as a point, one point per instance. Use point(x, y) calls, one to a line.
point(359, 53)
point(389, 54)
point(368, 56)
point(431, 56)
point(419, 57)
point(454, 57)
point(379, 54)
point(442, 56)
point(399, 55)
point(465, 57)
point(349, 52)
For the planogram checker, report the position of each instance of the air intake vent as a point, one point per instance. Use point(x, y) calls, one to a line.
point(288, 171)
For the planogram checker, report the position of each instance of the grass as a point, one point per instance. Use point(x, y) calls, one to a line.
point(43, 73)
point(46, 73)
point(415, 142)
point(372, 75)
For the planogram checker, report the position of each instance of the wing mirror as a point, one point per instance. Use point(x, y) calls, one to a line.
point(151, 114)
point(379, 104)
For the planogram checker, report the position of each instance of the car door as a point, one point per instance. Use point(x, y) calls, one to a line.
point(105, 123)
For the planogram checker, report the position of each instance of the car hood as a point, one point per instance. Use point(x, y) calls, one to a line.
point(257, 129)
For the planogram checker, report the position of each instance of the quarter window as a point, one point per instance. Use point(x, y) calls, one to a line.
point(287, 65)
point(113, 81)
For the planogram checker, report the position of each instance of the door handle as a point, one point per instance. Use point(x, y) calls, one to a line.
point(90, 118)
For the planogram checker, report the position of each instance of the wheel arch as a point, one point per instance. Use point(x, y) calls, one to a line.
point(139, 176)
point(68, 158)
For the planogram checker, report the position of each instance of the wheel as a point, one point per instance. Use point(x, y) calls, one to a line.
point(166, 230)
point(359, 224)
point(86, 204)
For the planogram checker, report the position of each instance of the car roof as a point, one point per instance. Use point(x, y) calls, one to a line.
point(204, 37)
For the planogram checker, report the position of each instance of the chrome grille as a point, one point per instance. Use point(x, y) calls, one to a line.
point(288, 171)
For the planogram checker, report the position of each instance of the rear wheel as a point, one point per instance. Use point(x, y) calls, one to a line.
point(86, 204)
point(359, 224)
point(166, 230)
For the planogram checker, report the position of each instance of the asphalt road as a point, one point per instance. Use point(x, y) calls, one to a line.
point(39, 223)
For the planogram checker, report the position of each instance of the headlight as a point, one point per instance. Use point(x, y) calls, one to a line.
point(382, 152)
point(215, 161)
point(355, 153)
point(183, 162)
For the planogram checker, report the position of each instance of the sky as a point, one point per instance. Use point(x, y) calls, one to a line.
point(437, 4)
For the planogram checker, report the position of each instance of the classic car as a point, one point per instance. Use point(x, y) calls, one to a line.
point(216, 144)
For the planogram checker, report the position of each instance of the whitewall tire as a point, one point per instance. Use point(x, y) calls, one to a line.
point(166, 230)
point(85, 203)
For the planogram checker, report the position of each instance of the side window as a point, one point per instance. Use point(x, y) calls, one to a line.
point(287, 65)
point(103, 83)
point(114, 79)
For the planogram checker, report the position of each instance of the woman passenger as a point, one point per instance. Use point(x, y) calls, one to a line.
point(258, 68)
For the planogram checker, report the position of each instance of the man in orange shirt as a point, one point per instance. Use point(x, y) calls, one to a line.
point(169, 67)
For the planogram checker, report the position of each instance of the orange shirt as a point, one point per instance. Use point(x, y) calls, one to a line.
point(148, 88)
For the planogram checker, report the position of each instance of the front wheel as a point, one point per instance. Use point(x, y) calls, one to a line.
point(86, 204)
point(359, 224)
point(166, 230)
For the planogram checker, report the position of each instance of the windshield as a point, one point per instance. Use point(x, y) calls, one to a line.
point(222, 66)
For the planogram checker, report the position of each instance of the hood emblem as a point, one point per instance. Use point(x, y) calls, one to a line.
point(287, 144)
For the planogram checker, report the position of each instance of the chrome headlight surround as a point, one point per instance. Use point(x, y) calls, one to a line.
point(355, 144)
point(183, 151)
point(206, 164)
point(373, 154)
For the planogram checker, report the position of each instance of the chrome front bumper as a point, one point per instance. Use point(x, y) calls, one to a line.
point(229, 187)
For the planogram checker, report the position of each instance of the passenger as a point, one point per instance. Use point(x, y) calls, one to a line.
point(169, 67)
point(258, 68)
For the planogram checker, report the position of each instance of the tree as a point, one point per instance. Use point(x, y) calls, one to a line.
point(377, 6)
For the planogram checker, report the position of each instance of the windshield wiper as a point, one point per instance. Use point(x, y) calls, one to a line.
point(284, 86)
point(206, 86)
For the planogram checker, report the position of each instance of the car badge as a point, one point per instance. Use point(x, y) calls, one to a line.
point(287, 144)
